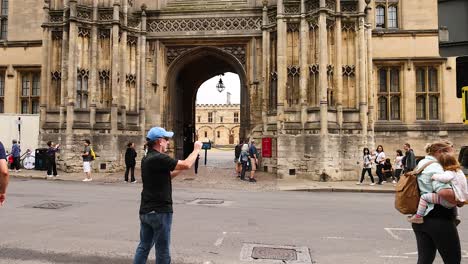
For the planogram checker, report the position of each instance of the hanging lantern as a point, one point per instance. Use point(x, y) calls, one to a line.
point(220, 86)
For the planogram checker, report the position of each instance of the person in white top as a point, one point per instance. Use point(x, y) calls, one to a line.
point(398, 164)
point(452, 175)
point(379, 161)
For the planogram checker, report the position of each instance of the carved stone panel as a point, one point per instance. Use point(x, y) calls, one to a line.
point(239, 52)
point(205, 24)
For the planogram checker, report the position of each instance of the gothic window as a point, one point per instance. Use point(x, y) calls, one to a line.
point(427, 93)
point(105, 93)
point(206, 133)
point(30, 92)
point(386, 14)
point(221, 119)
point(380, 17)
point(219, 134)
point(57, 86)
point(210, 117)
point(236, 117)
point(389, 93)
point(4, 20)
point(273, 76)
point(2, 92)
point(198, 119)
point(82, 89)
point(392, 17)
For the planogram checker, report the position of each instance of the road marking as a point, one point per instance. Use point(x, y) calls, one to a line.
point(405, 257)
point(390, 231)
point(220, 240)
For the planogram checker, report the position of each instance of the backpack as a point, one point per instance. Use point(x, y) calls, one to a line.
point(92, 153)
point(407, 191)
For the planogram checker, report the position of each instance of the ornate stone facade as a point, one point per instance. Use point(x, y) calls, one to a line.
point(322, 78)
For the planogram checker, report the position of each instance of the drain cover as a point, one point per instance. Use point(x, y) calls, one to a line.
point(51, 205)
point(210, 202)
point(274, 253)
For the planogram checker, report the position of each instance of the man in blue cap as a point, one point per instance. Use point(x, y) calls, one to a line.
point(157, 170)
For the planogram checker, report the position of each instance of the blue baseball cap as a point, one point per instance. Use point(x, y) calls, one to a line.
point(158, 132)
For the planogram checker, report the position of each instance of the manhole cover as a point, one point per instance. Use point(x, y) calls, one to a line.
point(210, 202)
point(51, 205)
point(274, 253)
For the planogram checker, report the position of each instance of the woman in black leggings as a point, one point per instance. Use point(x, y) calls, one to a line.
point(439, 230)
point(366, 166)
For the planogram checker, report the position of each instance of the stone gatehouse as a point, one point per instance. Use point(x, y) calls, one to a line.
point(322, 78)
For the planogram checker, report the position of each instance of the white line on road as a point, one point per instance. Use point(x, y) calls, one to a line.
point(405, 257)
point(390, 231)
point(220, 240)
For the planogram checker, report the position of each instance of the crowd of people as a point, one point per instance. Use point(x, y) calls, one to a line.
point(384, 169)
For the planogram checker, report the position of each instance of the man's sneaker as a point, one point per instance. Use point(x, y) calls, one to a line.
point(49, 176)
point(134, 181)
point(393, 181)
point(126, 181)
point(415, 219)
point(358, 183)
point(87, 179)
point(384, 181)
point(252, 180)
point(372, 184)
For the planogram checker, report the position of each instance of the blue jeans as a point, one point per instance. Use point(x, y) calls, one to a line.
point(155, 229)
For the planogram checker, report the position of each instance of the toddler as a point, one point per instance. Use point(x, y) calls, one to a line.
point(453, 175)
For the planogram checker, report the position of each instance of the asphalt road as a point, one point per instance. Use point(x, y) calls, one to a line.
point(101, 225)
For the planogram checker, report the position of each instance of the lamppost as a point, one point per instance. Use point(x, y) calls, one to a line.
point(19, 122)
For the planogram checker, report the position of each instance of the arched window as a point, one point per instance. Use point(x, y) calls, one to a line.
point(380, 17)
point(393, 17)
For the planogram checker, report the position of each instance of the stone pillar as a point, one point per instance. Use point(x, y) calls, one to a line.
point(64, 77)
point(304, 48)
point(142, 94)
point(370, 75)
point(93, 71)
point(362, 69)
point(124, 69)
point(282, 66)
point(45, 68)
point(323, 61)
point(72, 71)
point(265, 65)
point(115, 68)
point(339, 68)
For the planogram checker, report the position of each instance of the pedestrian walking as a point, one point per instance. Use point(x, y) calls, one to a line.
point(379, 162)
point(4, 174)
point(439, 231)
point(87, 159)
point(253, 154)
point(398, 164)
point(244, 159)
point(130, 162)
point(409, 160)
point(157, 170)
point(16, 153)
point(51, 164)
point(366, 166)
point(237, 151)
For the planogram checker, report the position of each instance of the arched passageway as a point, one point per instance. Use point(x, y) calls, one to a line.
point(185, 75)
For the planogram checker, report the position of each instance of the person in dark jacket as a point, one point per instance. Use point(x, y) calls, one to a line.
point(409, 160)
point(16, 153)
point(130, 161)
point(51, 164)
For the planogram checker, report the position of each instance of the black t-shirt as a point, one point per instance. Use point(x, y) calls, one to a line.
point(156, 170)
point(2, 151)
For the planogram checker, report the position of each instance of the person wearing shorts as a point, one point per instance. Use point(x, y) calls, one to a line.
point(87, 160)
point(253, 160)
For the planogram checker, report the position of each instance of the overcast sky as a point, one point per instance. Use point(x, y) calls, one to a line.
point(208, 94)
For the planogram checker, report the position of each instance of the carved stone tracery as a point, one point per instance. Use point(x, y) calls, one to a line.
point(239, 52)
point(83, 32)
point(205, 24)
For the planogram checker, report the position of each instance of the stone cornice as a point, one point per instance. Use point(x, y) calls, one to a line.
point(403, 32)
point(21, 43)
